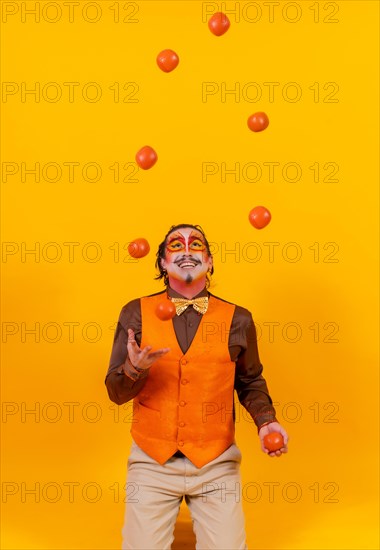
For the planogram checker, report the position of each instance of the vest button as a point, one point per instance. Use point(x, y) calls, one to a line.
point(182, 403)
point(181, 424)
point(180, 443)
point(183, 362)
point(184, 381)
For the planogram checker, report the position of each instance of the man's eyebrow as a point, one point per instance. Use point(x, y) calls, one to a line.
point(175, 237)
point(196, 235)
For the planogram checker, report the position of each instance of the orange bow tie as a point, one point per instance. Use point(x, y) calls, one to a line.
point(199, 304)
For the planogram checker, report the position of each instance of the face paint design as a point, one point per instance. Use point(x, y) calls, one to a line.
point(186, 257)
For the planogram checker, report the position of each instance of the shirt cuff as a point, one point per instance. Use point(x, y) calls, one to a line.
point(129, 370)
point(264, 418)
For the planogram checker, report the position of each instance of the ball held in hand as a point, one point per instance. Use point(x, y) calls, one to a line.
point(273, 441)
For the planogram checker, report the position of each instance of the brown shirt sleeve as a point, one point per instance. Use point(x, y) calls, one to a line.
point(120, 387)
point(250, 385)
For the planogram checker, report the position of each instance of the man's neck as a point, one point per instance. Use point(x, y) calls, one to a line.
point(187, 290)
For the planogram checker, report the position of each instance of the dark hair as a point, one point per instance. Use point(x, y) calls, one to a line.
point(161, 252)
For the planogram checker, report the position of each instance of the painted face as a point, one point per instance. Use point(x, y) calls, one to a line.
point(186, 256)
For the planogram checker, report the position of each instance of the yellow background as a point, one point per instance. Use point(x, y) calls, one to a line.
point(325, 489)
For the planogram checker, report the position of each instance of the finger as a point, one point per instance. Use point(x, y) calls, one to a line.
point(157, 354)
point(144, 353)
point(285, 436)
point(163, 350)
point(131, 339)
point(160, 351)
point(148, 358)
point(280, 452)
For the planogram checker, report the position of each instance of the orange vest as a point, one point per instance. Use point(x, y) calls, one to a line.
point(187, 401)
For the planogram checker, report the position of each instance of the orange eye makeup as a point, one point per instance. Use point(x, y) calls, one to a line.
point(175, 246)
point(197, 245)
point(180, 243)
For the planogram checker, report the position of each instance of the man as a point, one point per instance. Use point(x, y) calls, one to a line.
point(183, 428)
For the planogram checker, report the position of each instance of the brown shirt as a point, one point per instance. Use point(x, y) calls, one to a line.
point(250, 385)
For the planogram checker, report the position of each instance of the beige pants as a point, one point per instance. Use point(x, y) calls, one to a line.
point(155, 492)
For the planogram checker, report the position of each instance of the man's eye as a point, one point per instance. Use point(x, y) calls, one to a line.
point(197, 244)
point(175, 246)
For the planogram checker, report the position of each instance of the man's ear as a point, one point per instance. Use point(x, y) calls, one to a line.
point(162, 263)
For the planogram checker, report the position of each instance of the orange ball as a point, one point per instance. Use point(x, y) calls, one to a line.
point(258, 122)
point(165, 310)
point(138, 248)
point(259, 217)
point(146, 157)
point(167, 60)
point(273, 441)
point(219, 23)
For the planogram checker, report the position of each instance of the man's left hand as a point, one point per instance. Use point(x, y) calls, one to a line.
point(270, 428)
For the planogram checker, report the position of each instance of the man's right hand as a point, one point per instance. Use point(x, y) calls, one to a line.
point(142, 359)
